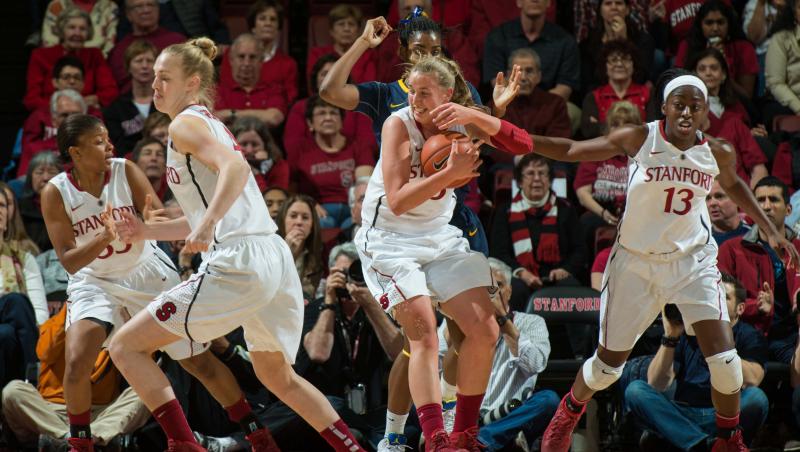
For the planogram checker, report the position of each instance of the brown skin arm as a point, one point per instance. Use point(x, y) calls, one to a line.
point(624, 140)
point(740, 193)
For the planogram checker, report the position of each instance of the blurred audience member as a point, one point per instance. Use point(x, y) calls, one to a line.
point(298, 224)
point(325, 167)
point(614, 23)
point(103, 13)
point(345, 22)
point(194, 19)
point(266, 19)
point(601, 186)
point(74, 28)
point(43, 167)
point(143, 16)
point(621, 67)
point(355, 127)
point(157, 126)
point(39, 130)
point(349, 343)
point(783, 64)
point(15, 229)
point(717, 26)
point(262, 152)
point(727, 117)
point(537, 234)
point(725, 220)
point(355, 199)
point(32, 411)
point(151, 156)
point(125, 117)
point(275, 197)
point(758, 20)
point(247, 94)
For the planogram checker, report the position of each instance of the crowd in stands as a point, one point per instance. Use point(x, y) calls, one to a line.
point(586, 67)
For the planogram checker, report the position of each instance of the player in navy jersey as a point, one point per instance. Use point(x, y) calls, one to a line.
point(247, 277)
point(664, 251)
point(109, 279)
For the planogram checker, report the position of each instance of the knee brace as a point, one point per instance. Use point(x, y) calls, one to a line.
point(726, 372)
point(598, 375)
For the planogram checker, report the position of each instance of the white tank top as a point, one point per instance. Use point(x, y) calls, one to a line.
point(194, 184)
point(426, 217)
point(666, 211)
point(84, 211)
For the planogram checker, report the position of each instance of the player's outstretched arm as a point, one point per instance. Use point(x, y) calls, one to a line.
point(500, 133)
point(193, 137)
point(334, 88)
point(624, 140)
point(59, 228)
point(741, 194)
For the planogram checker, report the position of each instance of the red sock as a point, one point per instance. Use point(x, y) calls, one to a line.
point(727, 422)
point(239, 410)
point(340, 437)
point(79, 424)
point(430, 419)
point(172, 420)
point(467, 409)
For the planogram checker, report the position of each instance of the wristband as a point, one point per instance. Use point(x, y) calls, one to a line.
point(512, 139)
point(670, 342)
point(325, 306)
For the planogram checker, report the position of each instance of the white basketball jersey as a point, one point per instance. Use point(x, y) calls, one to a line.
point(84, 211)
point(194, 184)
point(666, 209)
point(426, 217)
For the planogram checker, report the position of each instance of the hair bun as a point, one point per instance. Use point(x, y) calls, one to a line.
point(208, 47)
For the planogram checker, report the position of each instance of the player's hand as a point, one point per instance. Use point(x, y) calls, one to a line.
point(199, 239)
point(780, 243)
point(375, 31)
point(764, 299)
point(151, 215)
point(451, 114)
point(670, 329)
point(505, 91)
point(463, 163)
point(109, 232)
point(557, 274)
point(129, 228)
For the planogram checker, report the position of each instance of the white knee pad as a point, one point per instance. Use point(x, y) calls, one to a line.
point(726, 372)
point(599, 375)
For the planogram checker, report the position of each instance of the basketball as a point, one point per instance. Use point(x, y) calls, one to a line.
point(436, 152)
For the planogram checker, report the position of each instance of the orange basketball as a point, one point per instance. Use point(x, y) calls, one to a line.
point(436, 152)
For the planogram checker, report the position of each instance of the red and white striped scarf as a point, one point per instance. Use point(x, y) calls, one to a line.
point(543, 225)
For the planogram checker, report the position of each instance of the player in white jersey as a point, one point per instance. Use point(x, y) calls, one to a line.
point(109, 278)
point(664, 252)
point(412, 257)
point(247, 277)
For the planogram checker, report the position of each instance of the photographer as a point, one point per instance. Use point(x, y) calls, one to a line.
point(538, 234)
point(687, 420)
point(349, 343)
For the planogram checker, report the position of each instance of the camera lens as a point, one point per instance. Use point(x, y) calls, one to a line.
point(355, 274)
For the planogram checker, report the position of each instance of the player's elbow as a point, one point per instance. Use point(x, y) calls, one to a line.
point(396, 206)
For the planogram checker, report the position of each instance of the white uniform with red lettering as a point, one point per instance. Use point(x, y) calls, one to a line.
point(418, 252)
point(247, 278)
point(665, 252)
point(122, 276)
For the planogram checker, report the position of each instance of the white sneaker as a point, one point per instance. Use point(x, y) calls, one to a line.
point(792, 445)
point(394, 442)
point(449, 415)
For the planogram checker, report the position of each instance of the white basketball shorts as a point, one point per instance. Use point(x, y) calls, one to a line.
point(103, 298)
point(250, 282)
point(635, 289)
point(398, 267)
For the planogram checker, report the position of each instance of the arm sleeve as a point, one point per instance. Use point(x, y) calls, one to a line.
point(534, 345)
point(512, 139)
point(35, 287)
point(370, 100)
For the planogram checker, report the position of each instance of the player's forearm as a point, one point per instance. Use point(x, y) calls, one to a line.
point(553, 147)
point(334, 88)
point(233, 176)
point(169, 230)
point(660, 373)
point(81, 256)
point(416, 192)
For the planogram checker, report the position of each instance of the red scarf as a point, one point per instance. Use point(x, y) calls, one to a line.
point(534, 227)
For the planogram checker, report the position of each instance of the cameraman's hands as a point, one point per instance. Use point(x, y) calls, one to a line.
point(336, 280)
point(361, 295)
point(671, 329)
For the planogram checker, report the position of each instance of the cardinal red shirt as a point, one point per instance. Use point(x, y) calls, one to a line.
point(280, 73)
point(363, 71)
point(609, 181)
point(740, 56)
point(327, 177)
point(605, 97)
point(679, 15)
point(355, 127)
point(261, 97)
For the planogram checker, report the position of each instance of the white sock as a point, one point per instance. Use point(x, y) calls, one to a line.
point(448, 390)
point(395, 423)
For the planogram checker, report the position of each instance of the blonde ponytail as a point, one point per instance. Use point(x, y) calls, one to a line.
point(195, 58)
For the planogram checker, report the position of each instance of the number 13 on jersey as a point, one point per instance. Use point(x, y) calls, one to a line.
point(680, 206)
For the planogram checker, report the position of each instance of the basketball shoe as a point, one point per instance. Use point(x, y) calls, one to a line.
point(733, 444)
point(558, 435)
